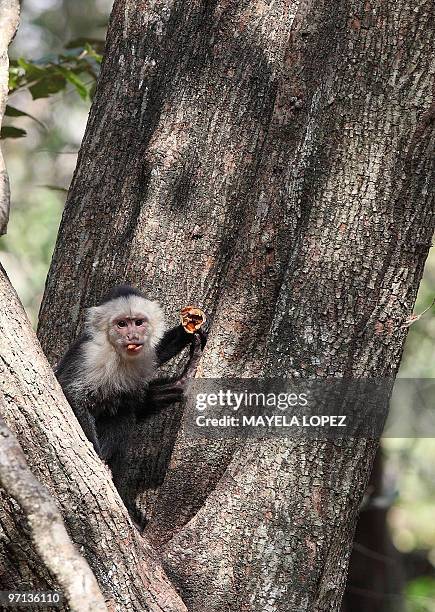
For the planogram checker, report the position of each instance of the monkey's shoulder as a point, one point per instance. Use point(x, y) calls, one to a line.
point(67, 367)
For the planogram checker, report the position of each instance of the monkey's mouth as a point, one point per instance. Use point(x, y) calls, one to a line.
point(133, 348)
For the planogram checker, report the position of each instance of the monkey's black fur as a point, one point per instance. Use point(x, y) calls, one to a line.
point(121, 291)
point(109, 418)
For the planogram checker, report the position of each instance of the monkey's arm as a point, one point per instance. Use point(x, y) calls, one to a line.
point(173, 342)
point(87, 422)
point(66, 373)
point(82, 407)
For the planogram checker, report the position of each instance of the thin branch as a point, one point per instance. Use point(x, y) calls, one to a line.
point(48, 532)
point(373, 554)
point(413, 318)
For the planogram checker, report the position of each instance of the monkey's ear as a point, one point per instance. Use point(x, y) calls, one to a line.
point(96, 318)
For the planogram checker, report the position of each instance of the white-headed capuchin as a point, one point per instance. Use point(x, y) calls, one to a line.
point(106, 375)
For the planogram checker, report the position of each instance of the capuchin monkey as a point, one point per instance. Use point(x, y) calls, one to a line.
point(106, 375)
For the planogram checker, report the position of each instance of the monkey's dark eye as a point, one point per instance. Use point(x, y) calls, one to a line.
point(140, 322)
point(122, 323)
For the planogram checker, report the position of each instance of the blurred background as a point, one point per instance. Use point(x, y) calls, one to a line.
point(40, 166)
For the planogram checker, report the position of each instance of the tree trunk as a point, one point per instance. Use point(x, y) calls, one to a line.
point(61, 458)
point(270, 162)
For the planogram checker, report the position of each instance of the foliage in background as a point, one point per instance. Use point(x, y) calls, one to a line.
point(51, 75)
point(49, 104)
point(420, 595)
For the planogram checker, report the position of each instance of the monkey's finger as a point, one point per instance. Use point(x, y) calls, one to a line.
point(203, 334)
point(196, 344)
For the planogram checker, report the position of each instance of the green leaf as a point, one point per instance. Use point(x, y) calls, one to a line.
point(32, 71)
point(8, 131)
point(11, 111)
point(423, 586)
point(92, 90)
point(74, 80)
point(15, 77)
point(47, 86)
point(50, 74)
point(98, 57)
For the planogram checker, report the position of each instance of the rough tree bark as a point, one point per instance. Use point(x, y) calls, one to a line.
point(271, 159)
point(48, 532)
point(60, 457)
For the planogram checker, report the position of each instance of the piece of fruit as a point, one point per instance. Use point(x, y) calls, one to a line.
point(192, 319)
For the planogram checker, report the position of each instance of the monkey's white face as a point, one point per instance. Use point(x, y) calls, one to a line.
point(132, 325)
point(129, 334)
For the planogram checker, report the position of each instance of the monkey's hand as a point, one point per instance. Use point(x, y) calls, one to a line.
point(193, 321)
point(161, 393)
point(164, 392)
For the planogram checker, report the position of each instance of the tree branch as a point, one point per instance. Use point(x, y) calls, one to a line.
point(48, 532)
